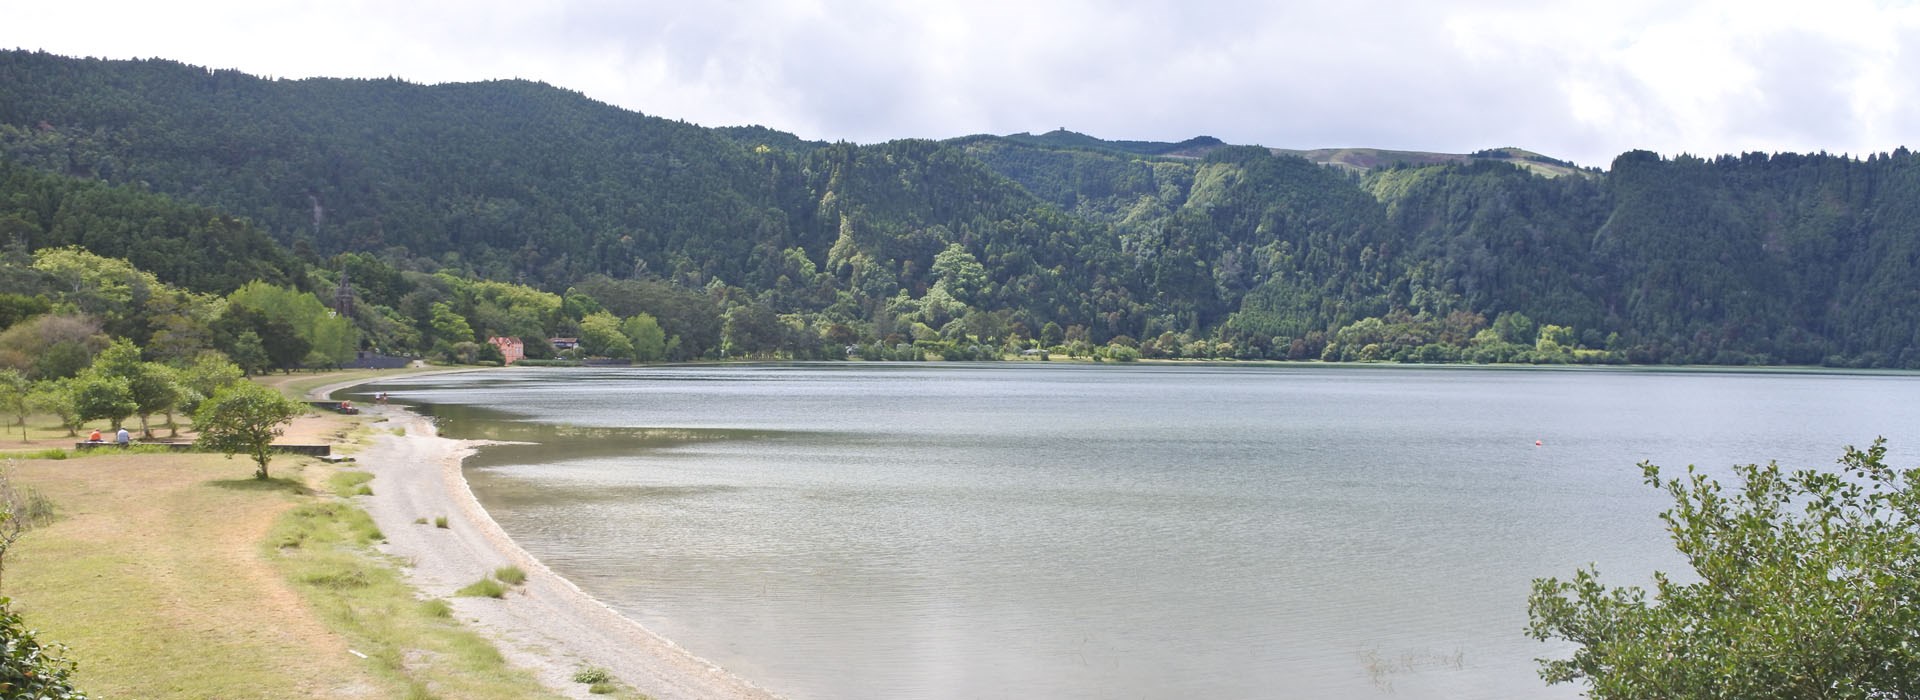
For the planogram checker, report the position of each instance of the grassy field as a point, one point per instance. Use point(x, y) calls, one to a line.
point(179, 576)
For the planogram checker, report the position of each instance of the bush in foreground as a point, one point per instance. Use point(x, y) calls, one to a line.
point(29, 669)
point(1809, 588)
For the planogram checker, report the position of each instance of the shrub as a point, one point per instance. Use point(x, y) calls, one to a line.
point(29, 669)
point(1806, 583)
point(592, 675)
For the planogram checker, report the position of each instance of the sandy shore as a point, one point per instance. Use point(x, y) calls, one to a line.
point(548, 624)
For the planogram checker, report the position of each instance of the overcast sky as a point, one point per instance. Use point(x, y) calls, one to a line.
point(1578, 80)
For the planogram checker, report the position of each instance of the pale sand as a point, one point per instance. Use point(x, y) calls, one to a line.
point(547, 625)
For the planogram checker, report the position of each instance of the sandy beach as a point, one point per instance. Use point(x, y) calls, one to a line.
point(548, 624)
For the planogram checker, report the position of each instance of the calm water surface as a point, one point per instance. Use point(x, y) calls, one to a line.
point(1045, 531)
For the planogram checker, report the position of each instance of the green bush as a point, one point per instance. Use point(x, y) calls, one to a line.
point(1805, 587)
point(29, 669)
point(592, 675)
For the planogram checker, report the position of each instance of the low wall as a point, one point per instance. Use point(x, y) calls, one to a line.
point(309, 450)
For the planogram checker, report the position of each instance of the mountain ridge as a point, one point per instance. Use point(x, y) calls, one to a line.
point(1250, 251)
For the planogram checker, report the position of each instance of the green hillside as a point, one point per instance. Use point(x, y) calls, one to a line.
point(1184, 249)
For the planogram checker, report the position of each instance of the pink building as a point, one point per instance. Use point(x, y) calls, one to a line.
point(510, 348)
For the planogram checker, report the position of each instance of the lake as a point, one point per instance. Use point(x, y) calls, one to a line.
point(1034, 530)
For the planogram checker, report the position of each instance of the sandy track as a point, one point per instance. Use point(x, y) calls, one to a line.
point(548, 624)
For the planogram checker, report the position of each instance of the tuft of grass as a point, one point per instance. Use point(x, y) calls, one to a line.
point(420, 520)
point(510, 575)
point(483, 588)
point(601, 688)
point(337, 578)
point(437, 608)
point(592, 674)
point(440, 522)
point(349, 483)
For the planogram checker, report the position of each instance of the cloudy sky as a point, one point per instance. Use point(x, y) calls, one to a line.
point(1578, 80)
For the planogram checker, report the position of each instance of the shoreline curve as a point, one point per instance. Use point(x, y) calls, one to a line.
point(547, 625)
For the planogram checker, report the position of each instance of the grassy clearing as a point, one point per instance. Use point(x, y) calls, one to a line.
point(153, 576)
point(175, 576)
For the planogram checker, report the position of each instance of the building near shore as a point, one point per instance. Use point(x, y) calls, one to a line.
point(511, 349)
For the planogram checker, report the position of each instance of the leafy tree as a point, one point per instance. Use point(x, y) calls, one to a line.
point(55, 396)
point(450, 327)
point(150, 385)
point(51, 345)
point(600, 336)
point(248, 353)
point(649, 340)
point(14, 393)
point(1807, 584)
point(97, 397)
point(209, 373)
point(280, 344)
point(963, 274)
point(244, 417)
point(328, 338)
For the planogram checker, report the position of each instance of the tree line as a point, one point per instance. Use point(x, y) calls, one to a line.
point(747, 242)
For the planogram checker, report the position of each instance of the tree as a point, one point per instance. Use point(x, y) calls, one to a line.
point(150, 385)
point(55, 396)
point(14, 393)
point(248, 353)
point(963, 274)
point(99, 396)
point(649, 340)
point(1808, 582)
point(600, 336)
point(448, 326)
point(244, 417)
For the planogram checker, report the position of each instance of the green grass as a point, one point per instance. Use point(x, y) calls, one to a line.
point(418, 644)
point(483, 588)
point(437, 608)
point(349, 483)
point(510, 575)
point(440, 521)
point(49, 453)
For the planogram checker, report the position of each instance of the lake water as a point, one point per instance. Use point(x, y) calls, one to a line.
point(869, 531)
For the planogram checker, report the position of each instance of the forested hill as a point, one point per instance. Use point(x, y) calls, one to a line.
point(1194, 248)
